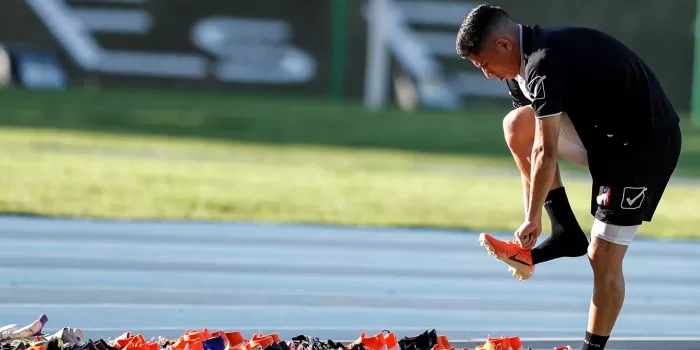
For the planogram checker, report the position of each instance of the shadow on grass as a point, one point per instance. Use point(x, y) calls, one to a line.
point(476, 131)
point(22, 214)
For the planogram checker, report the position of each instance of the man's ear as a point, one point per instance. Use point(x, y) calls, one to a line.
point(504, 44)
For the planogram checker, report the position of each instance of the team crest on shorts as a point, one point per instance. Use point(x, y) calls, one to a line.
point(603, 198)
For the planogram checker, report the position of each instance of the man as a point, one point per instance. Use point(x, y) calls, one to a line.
point(580, 94)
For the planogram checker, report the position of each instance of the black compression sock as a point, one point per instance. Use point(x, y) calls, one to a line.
point(594, 342)
point(567, 238)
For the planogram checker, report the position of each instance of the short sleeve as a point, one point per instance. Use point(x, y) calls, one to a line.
point(545, 83)
point(519, 99)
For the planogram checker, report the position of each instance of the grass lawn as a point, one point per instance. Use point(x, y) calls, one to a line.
point(156, 155)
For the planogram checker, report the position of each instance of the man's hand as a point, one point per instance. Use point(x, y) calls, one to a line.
point(528, 233)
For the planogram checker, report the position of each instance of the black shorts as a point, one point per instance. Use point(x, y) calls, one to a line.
point(628, 185)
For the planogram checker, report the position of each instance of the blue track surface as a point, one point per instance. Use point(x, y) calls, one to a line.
point(163, 278)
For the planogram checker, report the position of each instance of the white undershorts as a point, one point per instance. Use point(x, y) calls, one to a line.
point(622, 235)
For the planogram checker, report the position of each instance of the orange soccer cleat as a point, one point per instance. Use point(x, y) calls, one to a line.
point(502, 343)
point(494, 344)
point(519, 260)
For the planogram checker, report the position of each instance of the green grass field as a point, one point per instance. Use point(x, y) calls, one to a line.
point(153, 155)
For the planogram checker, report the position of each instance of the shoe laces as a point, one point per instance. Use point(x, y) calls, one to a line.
point(517, 246)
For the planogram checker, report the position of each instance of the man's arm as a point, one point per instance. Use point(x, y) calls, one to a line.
point(544, 164)
point(545, 86)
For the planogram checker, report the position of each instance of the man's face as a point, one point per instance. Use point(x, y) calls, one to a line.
point(498, 60)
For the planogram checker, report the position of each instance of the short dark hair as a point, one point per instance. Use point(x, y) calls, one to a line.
point(477, 26)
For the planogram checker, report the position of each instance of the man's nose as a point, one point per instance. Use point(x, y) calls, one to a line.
point(487, 73)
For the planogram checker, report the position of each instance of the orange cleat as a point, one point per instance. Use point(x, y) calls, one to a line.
point(495, 344)
point(391, 342)
point(504, 343)
point(518, 259)
point(515, 343)
point(564, 348)
point(275, 337)
point(376, 342)
point(235, 339)
point(261, 342)
point(443, 343)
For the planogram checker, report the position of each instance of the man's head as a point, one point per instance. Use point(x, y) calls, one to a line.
point(491, 40)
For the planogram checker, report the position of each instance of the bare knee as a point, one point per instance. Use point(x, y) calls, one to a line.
point(606, 259)
point(519, 129)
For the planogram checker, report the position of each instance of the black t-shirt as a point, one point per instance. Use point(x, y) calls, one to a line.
point(613, 98)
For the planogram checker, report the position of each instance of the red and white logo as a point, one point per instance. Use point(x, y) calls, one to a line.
point(603, 198)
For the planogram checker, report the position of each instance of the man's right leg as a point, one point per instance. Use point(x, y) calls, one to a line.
point(567, 238)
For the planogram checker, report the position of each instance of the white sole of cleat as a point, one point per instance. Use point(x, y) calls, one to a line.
point(492, 251)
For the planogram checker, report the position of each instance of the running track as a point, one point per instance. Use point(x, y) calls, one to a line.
point(163, 278)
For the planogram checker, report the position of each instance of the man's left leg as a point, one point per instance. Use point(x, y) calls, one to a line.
point(621, 198)
point(606, 252)
point(624, 195)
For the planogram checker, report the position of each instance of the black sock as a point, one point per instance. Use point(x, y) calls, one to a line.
point(567, 238)
point(594, 342)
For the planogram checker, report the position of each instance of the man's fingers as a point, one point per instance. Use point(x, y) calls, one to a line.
point(530, 243)
point(525, 236)
point(524, 241)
